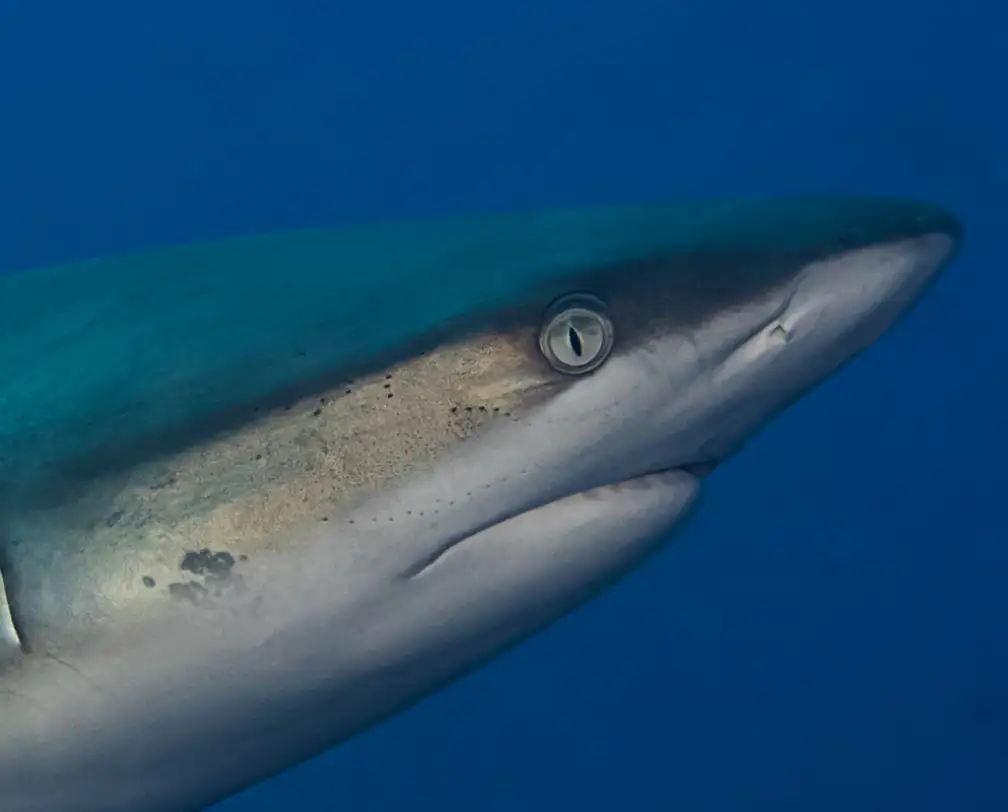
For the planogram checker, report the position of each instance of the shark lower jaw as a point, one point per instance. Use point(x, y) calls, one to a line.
point(644, 481)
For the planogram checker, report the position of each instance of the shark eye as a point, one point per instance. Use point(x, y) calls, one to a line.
point(577, 334)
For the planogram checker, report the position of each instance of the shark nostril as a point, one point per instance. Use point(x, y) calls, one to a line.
point(779, 333)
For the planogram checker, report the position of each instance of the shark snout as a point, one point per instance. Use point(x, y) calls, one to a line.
point(832, 310)
point(843, 303)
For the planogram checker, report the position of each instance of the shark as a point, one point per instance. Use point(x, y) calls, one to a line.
point(260, 494)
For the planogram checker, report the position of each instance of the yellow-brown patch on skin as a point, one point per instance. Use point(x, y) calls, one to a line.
point(249, 489)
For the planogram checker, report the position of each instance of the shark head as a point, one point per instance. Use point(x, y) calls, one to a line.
point(260, 495)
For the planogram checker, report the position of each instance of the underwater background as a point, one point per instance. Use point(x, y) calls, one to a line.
point(830, 632)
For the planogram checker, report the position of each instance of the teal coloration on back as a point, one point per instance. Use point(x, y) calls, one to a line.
point(102, 357)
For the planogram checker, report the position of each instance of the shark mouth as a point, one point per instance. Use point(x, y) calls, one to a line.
point(421, 565)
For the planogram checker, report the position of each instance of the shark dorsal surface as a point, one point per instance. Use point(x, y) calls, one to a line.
point(106, 358)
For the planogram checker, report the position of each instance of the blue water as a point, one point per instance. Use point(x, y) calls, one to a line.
point(829, 635)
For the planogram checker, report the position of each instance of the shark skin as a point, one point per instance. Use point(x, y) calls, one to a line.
point(260, 494)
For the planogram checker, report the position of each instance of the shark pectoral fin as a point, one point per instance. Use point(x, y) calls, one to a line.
point(10, 641)
point(523, 572)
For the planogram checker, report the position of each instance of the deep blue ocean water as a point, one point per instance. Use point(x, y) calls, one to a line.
point(830, 633)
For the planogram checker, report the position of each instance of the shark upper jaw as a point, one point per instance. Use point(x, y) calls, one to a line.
point(683, 476)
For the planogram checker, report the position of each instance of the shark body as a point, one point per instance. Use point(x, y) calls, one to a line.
point(258, 495)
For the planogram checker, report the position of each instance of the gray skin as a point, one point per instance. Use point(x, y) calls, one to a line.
point(195, 604)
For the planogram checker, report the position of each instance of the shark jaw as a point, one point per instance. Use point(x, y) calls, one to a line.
point(460, 497)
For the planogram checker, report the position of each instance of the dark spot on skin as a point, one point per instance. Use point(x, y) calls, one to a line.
point(234, 583)
point(113, 520)
point(482, 408)
point(243, 557)
point(258, 456)
point(322, 401)
point(347, 391)
point(220, 565)
point(468, 408)
point(389, 395)
point(149, 582)
point(454, 409)
point(387, 385)
point(188, 591)
point(287, 408)
point(317, 412)
point(350, 521)
point(164, 482)
point(211, 564)
point(388, 376)
point(215, 570)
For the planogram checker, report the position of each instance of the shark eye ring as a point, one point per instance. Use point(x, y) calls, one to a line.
point(577, 334)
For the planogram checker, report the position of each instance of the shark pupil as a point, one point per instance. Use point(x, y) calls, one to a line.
point(575, 341)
